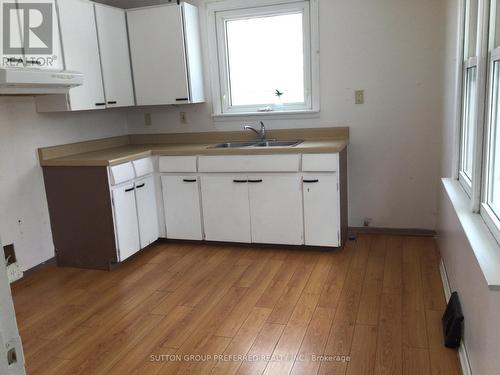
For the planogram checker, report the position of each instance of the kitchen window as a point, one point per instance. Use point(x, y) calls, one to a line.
point(490, 207)
point(469, 96)
point(264, 58)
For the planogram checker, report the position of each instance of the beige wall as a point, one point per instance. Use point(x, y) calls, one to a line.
point(24, 218)
point(393, 49)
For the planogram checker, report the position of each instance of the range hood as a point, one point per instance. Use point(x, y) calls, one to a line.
point(26, 81)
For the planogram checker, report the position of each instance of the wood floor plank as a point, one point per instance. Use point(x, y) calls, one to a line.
point(378, 301)
point(443, 361)
point(262, 347)
point(393, 266)
point(289, 343)
point(242, 342)
point(414, 324)
point(389, 360)
point(340, 337)
point(235, 318)
point(137, 360)
point(363, 351)
point(431, 280)
point(369, 305)
point(314, 342)
point(416, 361)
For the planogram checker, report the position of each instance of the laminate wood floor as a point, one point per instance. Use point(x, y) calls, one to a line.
point(372, 308)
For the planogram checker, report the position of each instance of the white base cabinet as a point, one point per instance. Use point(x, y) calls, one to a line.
point(126, 222)
point(321, 210)
point(181, 200)
point(147, 213)
point(276, 209)
point(226, 212)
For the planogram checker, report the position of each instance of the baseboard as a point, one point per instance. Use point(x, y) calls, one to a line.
point(41, 266)
point(393, 231)
point(462, 350)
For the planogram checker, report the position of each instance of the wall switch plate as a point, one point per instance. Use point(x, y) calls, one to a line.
point(359, 97)
point(183, 117)
point(147, 119)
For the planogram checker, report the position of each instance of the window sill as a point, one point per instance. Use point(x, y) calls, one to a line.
point(266, 115)
point(486, 249)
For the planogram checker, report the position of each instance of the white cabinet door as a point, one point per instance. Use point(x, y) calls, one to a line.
point(226, 214)
point(81, 53)
point(115, 58)
point(126, 225)
point(146, 211)
point(158, 55)
point(321, 210)
point(181, 198)
point(276, 209)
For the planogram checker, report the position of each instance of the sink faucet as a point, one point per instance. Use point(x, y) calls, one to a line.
point(261, 134)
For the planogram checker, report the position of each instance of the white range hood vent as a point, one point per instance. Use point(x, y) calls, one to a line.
point(25, 81)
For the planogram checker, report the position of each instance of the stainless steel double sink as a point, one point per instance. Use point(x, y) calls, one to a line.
point(264, 143)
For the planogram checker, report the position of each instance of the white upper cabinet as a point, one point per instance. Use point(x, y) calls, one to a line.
point(81, 53)
point(166, 54)
point(115, 59)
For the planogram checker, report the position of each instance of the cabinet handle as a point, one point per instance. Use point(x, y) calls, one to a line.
point(129, 189)
point(100, 104)
point(112, 102)
point(188, 180)
point(240, 181)
point(310, 181)
point(140, 186)
point(255, 181)
point(181, 99)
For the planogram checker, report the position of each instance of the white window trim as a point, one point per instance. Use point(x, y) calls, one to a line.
point(216, 73)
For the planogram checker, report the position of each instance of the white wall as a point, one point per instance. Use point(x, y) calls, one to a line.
point(24, 218)
point(393, 50)
point(481, 307)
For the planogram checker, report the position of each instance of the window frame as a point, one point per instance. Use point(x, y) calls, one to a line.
point(234, 9)
point(487, 213)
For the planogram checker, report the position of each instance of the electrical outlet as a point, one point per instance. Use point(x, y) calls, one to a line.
point(147, 119)
point(183, 117)
point(359, 97)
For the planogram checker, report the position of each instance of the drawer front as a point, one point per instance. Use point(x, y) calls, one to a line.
point(249, 163)
point(121, 173)
point(176, 164)
point(143, 167)
point(320, 162)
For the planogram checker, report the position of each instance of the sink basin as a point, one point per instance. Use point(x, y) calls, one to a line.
point(278, 144)
point(234, 144)
point(268, 143)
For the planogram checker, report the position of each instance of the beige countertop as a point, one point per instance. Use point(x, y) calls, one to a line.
point(112, 151)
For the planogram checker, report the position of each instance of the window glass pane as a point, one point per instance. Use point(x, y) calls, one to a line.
point(468, 121)
point(471, 32)
point(494, 147)
point(266, 57)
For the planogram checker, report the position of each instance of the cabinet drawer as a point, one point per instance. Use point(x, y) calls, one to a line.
point(121, 173)
point(249, 163)
point(320, 162)
point(176, 164)
point(143, 167)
